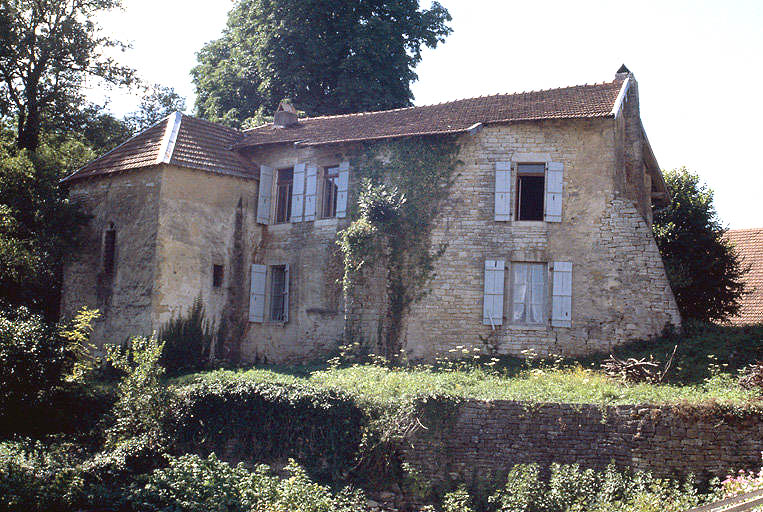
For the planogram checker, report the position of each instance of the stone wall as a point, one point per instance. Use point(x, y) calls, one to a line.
point(129, 204)
point(483, 440)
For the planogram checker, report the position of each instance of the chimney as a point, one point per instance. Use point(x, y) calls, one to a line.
point(285, 115)
point(623, 73)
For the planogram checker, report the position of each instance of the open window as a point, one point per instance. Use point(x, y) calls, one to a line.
point(217, 276)
point(531, 184)
point(284, 184)
point(109, 250)
point(330, 192)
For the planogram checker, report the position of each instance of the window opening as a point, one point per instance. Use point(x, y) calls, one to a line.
point(278, 293)
point(109, 251)
point(529, 293)
point(330, 192)
point(217, 276)
point(283, 195)
point(531, 180)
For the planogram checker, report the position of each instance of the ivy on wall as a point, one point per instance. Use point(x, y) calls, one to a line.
point(402, 186)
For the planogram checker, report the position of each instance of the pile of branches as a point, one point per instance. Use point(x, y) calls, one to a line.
point(752, 376)
point(634, 370)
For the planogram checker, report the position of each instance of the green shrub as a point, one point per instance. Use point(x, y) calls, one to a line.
point(187, 340)
point(143, 402)
point(457, 501)
point(320, 428)
point(569, 485)
point(194, 484)
point(524, 491)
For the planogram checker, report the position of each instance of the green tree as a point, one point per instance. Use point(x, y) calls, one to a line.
point(48, 48)
point(328, 57)
point(702, 267)
point(157, 102)
point(38, 224)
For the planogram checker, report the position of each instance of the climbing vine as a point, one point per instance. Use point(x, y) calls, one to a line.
point(402, 184)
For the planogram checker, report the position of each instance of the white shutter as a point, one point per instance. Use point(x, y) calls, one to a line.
point(492, 311)
point(561, 302)
point(298, 193)
point(257, 293)
point(342, 186)
point(554, 189)
point(503, 191)
point(311, 192)
point(286, 293)
point(263, 201)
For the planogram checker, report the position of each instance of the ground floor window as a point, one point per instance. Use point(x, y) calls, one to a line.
point(528, 305)
point(279, 293)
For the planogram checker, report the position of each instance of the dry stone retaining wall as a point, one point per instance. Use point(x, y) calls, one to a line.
point(483, 440)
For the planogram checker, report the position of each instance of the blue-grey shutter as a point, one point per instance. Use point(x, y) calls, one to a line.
point(561, 296)
point(554, 189)
point(311, 192)
point(257, 293)
point(265, 190)
point(342, 187)
point(492, 311)
point(503, 208)
point(298, 193)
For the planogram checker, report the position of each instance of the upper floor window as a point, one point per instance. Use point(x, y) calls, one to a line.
point(330, 192)
point(531, 181)
point(109, 250)
point(284, 184)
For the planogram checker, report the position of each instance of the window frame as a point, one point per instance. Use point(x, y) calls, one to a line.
point(330, 176)
point(518, 191)
point(288, 184)
point(544, 307)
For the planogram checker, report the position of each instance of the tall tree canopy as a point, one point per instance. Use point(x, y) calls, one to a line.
point(702, 267)
point(328, 57)
point(48, 48)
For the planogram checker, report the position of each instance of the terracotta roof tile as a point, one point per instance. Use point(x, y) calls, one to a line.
point(749, 246)
point(582, 101)
point(197, 144)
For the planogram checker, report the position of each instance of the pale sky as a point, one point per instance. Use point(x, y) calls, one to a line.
point(698, 65)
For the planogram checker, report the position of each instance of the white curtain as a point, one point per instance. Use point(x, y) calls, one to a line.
point(529, 294)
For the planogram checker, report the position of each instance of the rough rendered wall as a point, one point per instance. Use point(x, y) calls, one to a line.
point(205, 219)
point(485, 439)
point(619, 288)
point(131, 202)
point(316, 308)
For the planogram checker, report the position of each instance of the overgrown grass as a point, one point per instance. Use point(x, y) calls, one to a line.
point(705, 368)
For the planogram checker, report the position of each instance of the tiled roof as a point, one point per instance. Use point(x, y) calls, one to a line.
point(179, 140)
point(584, 101)
point(749, 246)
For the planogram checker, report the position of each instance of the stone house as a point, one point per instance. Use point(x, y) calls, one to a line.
point(547, 228)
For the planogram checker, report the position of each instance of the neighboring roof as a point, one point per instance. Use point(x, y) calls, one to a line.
point(179, 140)
point(749, 245)
point(583, 101)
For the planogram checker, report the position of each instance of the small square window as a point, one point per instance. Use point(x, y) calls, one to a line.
point(217, 276)
point(330, 192)
point(531, 182)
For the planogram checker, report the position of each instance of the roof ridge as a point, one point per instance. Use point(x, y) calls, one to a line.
point(370, 112)
point(167, 146)
point(212, 123)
